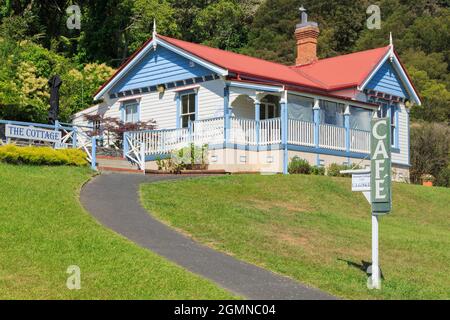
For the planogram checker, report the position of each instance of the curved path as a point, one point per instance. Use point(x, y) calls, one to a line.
point(113, 199)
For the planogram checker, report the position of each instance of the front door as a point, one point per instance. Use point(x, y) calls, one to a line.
point(268, 110)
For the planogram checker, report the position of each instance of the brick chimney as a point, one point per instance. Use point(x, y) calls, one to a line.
point(306, 34)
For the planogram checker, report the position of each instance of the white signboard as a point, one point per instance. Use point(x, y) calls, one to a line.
point(361, 182)
point(32, 133)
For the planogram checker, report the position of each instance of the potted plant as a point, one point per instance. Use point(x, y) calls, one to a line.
point(427, 180)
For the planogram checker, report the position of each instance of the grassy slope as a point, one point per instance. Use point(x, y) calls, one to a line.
point(43, 230)
point(315, 229)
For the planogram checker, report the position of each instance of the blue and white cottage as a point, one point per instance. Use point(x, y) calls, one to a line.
point(256, 115)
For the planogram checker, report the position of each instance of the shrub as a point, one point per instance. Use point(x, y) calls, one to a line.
point(430, 147)
point(334, 169)
point(42, 156)
point(190, 157)
point(443, 179)
point(318, 171)
point(298, 165)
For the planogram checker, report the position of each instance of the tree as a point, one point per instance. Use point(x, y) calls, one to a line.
point(430, 150)
point(220, 25)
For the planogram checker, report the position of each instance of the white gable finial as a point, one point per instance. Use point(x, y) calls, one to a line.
point(154, 34)
point(391, 44)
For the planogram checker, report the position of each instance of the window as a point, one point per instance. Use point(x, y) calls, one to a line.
point(131, 112)
point(360, 118)
point(187, 109)
point(389, 110)
point(332, 113)
point(300, 108)
point(393, 126)
point(268, 110)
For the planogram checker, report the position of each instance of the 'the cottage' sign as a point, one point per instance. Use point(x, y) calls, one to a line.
point(380, 155)
point(31, 133)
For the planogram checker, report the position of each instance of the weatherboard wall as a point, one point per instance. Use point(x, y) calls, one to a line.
point(162, 107)
point(402, 157)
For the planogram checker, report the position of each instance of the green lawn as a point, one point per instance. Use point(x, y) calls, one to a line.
point(44, 229)
point(316, 230)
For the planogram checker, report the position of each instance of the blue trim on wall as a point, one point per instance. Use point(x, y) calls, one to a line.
point(396, 132)
point(154, 157)
point(408, 138)
point(125, 144)
point(347, 133)
point(94, 153)
point(226, 113)
point(284, 136)
point(196, 105)
point(178, 106)
point(257, 120)
point(316, 126)
point(122, 112)
point(328, 151)
point(292, 147)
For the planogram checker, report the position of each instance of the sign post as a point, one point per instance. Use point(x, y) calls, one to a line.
point(376, 186)
point(380, 185)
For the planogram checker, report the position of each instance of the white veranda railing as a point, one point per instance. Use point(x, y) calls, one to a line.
point(301, 132)
point(359, 141)
point(243, 131)
point(252, 133)
point(332, 137)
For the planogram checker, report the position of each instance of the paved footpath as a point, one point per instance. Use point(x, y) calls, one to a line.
point(113, 200)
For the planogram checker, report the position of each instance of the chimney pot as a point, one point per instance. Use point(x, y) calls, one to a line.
point(306, 34)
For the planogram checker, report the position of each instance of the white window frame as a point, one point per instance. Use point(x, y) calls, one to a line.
point(189, 113)
point(126, 106)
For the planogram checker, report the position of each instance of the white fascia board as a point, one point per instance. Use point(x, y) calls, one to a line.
point(144, 51)
point(253, 86)
point(398, 67)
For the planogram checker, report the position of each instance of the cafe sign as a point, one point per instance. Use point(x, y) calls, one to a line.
point(380, 155)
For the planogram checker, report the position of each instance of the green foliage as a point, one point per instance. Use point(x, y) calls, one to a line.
point(430, 152)
point(191, 157)
point(24, 73)
point(299, 166)
point(334, 169)
point(318, 170)
point(42, 156)
point(443, 179)
point(220, 25)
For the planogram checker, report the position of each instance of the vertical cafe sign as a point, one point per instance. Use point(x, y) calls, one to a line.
point(380, 152)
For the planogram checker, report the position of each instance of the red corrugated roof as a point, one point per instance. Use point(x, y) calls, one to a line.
point(242, 64)
point(326, 74)
point(344, 71)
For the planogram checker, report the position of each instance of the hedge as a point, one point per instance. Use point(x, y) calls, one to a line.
point(42, 156)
